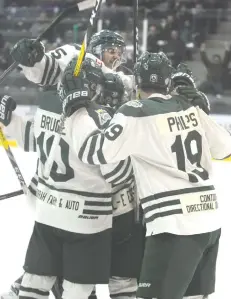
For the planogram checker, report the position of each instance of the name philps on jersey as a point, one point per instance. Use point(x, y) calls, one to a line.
point(183, 122)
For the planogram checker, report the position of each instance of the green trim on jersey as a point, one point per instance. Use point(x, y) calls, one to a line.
point(49, 101)
point(154, 106)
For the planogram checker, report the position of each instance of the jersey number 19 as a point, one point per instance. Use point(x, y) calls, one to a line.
point(180, 148)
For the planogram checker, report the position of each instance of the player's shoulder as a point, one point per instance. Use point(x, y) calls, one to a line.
point(93, 117)
point(100, 114)
point(162, 104)
point(154, 105)
point(132, 108)
point(145, 107)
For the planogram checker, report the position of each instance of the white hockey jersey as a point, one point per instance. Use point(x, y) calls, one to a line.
point(171, 145)
point(70, 189)
point(50, 69)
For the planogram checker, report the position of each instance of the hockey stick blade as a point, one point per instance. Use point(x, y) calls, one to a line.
point(13, 162)
point(12, 194)
point(63, 14)
point(50, 159)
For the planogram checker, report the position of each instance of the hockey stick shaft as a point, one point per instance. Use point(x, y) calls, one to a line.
point(63, 14)
point(50, 159)
point(135, 31)
point(87, 37)
point(12, 194)
point(135, 57)
point(135, 40)
point(13, 162)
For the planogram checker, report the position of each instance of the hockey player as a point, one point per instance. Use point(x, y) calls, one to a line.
point(123, 199)
point(72, 232)
point(46, 69)
point(170, 143)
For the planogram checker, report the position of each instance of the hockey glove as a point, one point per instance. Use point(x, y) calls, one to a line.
point(7, 106)
point(27, 53)
point(74, 92)
point(195, 97)
point(94, 73)
point(182, 76)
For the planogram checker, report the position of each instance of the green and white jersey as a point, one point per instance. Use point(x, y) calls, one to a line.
point(74, 198)
point(50, 69)
point(83, 197)
point(171, 145)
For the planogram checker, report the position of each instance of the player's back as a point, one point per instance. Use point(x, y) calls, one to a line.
point(75, 197)
point(175, 166)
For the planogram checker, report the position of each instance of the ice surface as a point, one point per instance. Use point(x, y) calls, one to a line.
point(16, 222)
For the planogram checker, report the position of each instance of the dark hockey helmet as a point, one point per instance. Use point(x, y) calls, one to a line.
point(113, 91)
point(107, 40)
point(153, 70)
point(94, 73)
point(182, 76)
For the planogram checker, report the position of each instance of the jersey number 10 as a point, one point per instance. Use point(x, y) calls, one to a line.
point(180, 148)
point(64, 151)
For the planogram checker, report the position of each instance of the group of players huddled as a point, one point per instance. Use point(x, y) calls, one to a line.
point(130, 200)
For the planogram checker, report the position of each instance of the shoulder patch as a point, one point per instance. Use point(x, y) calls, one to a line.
point(100, 115)
point(134, 103)
point(103, 116)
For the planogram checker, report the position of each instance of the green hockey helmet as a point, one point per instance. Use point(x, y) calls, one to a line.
point(113, 91)
point(153, 71)
point(107, 40)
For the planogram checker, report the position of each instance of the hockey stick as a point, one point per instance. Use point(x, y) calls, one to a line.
point(135, 56)
point(50, 159)
point(12, 194)
point(86, 38)
point(135, 31)
point(135, 39)
point(63, 14)
point(13, 162)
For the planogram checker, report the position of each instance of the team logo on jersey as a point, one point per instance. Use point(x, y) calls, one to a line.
point(135, 104)
point(103, 116)
point(153, 78)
